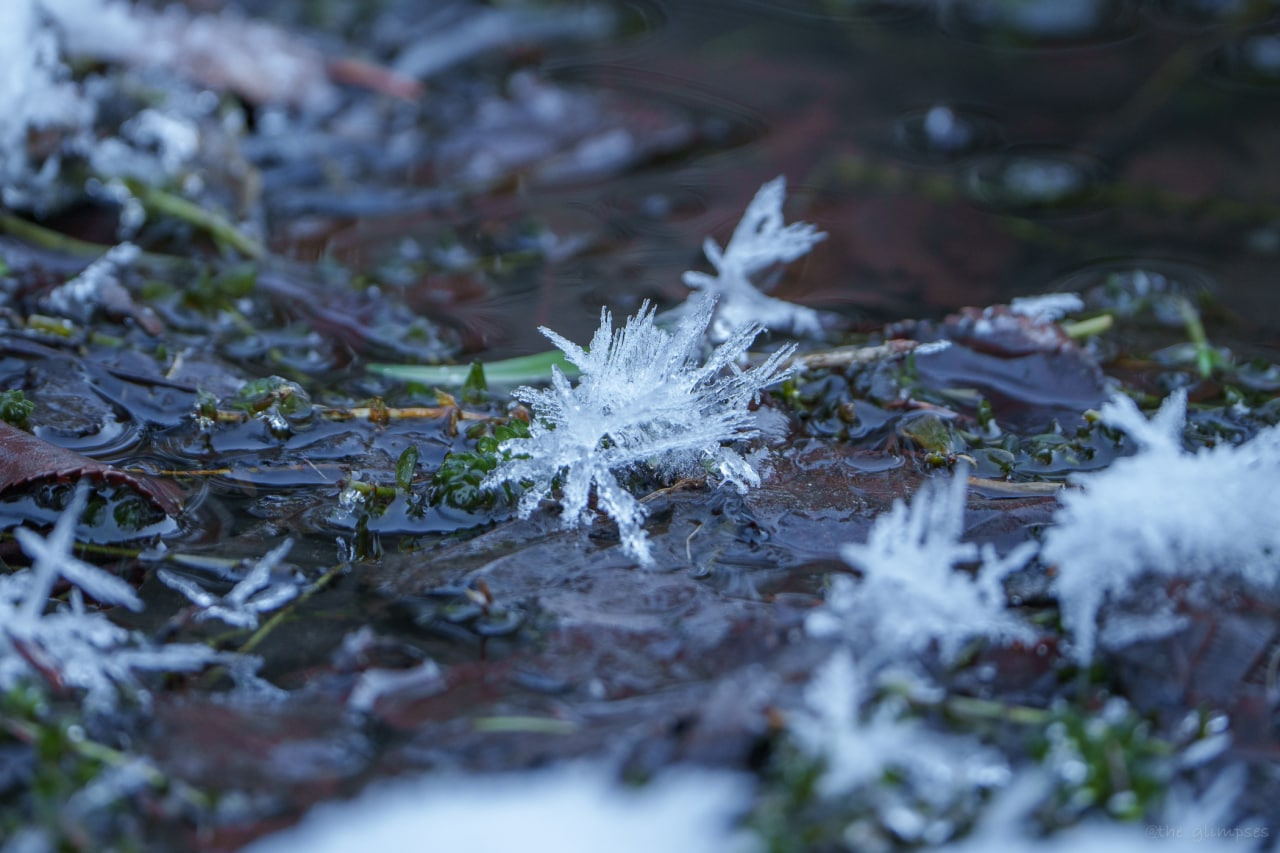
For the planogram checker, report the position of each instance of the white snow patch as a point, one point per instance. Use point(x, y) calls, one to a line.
point(578, 808)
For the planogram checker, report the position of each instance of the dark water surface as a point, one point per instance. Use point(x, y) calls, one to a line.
point(957, 155)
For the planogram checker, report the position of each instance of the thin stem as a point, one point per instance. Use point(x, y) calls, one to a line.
point(219, 227)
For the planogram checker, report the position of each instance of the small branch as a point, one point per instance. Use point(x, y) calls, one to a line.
point(849, 356)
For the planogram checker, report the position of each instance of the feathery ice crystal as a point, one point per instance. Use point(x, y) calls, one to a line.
point(860, 742)
point(255, 594)
point(80, 647)
point(643, 399)
point(910, 593)
point(1167, 512)
point(760, 241)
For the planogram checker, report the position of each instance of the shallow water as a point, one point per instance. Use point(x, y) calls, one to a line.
point(957, 154)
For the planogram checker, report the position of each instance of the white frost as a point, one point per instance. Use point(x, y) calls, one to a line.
point(645, 399)
point(1186, 824)
point(97, 283)
point(760, 241)
point(72, 645)
point(36, 94)
point(911, 594)
point(1047, 307)
point(858, 747)
point(256, 593)
point(1164, 512)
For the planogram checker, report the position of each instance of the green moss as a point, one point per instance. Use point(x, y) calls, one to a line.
point(15, 408)
point(457, 482)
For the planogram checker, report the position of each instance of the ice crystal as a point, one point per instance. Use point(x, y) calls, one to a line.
point(645, 400)
point(255, 594)
point(1186, 823)
point(760, 241)
point(423, 680)
point(72, 645)
point(858, 744)
point(98, 283)
point(911, 594)
point(51, 558)
point(1047, 307)
point(1164, 511)
point(35, 95)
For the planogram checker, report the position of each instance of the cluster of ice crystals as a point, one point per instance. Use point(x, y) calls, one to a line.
point(1186, 824)
point(151, 146)
point(760, 241)
point(860, 745)
point(1165, 512)
point(911, 595)
point(98, 283)
point(1047, 307)
point(257, 593)
point(645, 399)
point(35, 95)
point(72, 645)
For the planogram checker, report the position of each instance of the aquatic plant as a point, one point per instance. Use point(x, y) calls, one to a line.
point(458, 481)
point(15, 408)
point(646, 401)
point(760, 241)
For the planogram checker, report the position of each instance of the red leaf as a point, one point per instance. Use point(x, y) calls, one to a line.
point(25, 458)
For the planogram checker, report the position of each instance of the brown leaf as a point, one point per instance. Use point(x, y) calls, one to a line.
point(25, 458)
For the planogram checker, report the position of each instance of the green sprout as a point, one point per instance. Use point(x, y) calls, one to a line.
point(15, 408)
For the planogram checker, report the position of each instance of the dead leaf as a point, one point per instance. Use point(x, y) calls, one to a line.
point(25, 458)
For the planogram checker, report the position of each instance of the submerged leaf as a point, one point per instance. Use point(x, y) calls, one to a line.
point(25, 458)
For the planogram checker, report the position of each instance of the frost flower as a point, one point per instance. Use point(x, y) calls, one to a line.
point(72, 646)
point(254, 595)
point(1164, 511)
point(911, 594)
point(861, 743)
point(644, 401)
point(760, 241)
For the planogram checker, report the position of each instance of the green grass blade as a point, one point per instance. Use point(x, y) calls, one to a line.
point(509, 371)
